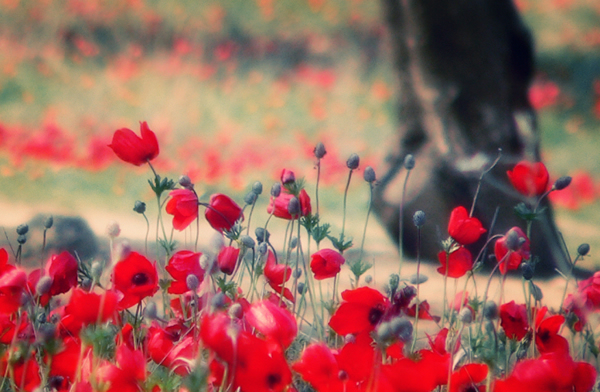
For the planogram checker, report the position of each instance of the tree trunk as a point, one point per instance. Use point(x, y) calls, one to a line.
point(464, 68)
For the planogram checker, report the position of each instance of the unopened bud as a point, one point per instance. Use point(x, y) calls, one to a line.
point(139, 207)
point(562, 183)
point(394, 282)
point(247, 241)
point(294, 206)
point(320, 150)
point(46, 332)
point(21, 239)
point(297, 273)
point(218, 301)
point(293, 243)
point(513, 240)
point(402, 329)
point(150, 311)
point(465, 316)
point(192, 282)
point(235, 311)
point(22, 229)
point(250, 198)
point(257, 188)
point(418, 279)
point(536, 292)
point(384, 332)
point(263, 248)
point(113, 230)
point(276, 189)
point(287, 177)
point(369, 174)
point(583, 249)
point(301, 288)
point(368, 279)
point(49, 222)
point(353, 162)
point(262, 235)
point(409, 162)
point(526, 271)
point(186, 182)
point(419, 218)
point(490, 310)
point(43, 285)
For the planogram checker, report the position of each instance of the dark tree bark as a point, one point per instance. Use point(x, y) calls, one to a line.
point(464, 68)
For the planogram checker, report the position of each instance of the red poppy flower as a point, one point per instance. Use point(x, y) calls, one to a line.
point(277, 275)
point(130, 148)
point(529, 178)
point(549, 373)
point(287, 176)
point(166, 349)
point(424, 311)
point(180, 266)
point(361, 311)
point(467, 377)
point(511, 259)
point(273, 322)
point(547, 338)
point(222, 212)
point(358, 358)
point(464, 229)
point(63, 271)
point(64, 363)
point(279, 205)
point(183, 206)
point(129, 373)
point(25, 372)
point(318, 367)
point(425, 374)
point(136, 278)
point(514, 321)
point(13, 283)
point(227, 259)
point(326, 263)
point(455, 264)
point(87, 308)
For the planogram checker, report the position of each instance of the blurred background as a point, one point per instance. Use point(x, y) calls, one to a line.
point(238, 90)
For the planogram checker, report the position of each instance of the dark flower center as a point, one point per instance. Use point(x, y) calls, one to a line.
point(273, 379)
point(375, 315)
point(139, 279)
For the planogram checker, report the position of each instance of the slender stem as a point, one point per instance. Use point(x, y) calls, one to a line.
point(417, 304)
point(344, 212)
point(401, 224)
point(481, 179)
point(362, 244)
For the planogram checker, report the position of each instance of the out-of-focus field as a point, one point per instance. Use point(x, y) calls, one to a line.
point(237, 90)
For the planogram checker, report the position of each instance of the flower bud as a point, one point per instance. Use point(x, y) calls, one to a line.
point(394, 282)
point(402, 329)
point(247, 241)
point(293, 243)
point(21, 239)
point(22, 229)
point(297, 273)
point(185, 182)
point(139, 207)
point(294, 206)
point(86, 284)
point(465, 316)
point(384, 332)
point(527, 271)
point(257, 188)
point(353, 162)
point(369, 174)
point(276, 189)
point(562, 183)
point(320, 150)
point(113, 230)
point(218, 301)
point(262, 235)
point(150, 311)
point(419, 218)
point(368, 279)
point(513, 240)
point(409, 162)
point(418, 279)
point(46, 332)
point(301, 288)
point(49, 222)
point(235, 311)
point(536, 292)
point(192, 282)
point(583, 249)
point(287, 177)
point(263, 248)
point(490, 310)
point(43, 285)
point(250, 198)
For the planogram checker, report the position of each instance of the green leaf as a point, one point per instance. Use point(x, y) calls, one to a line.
point(359, 267)
point(340, 244)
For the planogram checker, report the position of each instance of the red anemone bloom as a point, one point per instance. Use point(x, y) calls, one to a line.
point(131, 148)
point(455, 264)
point(272, 321)
point(180, 266)
point(136, 278)
point(86, 308)
point(13, 282)
point(128, 375)
point(361, 311)
point(464, 229)
point(326, 263)
point(277, 275)
point(279, 205)
point(529, 178)
point(547, 338)
point(222, 212)
point(183, 206)
point(63, 271)
point(467, 377)
point(511, 259)
point(227, 259)
point(513, 319)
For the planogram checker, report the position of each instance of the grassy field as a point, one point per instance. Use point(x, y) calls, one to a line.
point(237, 90)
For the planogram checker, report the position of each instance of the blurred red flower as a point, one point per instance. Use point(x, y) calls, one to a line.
point(130, 148)
point(362, 310)
point(129, 373)
point(13, 282)
point(181, 265)
point(543, 93)
point(227, 259)
point(63, 271)
point(279, 205)
point(529, 178)
point(464, 229)
point(222, 212)
point(183, 206)
point(467, 377)
point(514, 321)
point(510, 259)
point(318, 366)
point(136, 278)
point(277, 275)
point(547, 338)
point(326, 263)
point(87, 308)
point(272, 321)
point(170, 350)
point(25, 371)
point(455, 264)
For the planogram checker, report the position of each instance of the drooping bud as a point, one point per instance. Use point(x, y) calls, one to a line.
point(465, 316)
point(43, 285)
point(562, 183)
point(402, 328)
point(139, 207)
point(276, 189)
point(583, 249)
point(490, 310)
point(297, 273)
point(513, 240)
point(263, 248)
point(294, 243)
point(527, 271)
point(294, 206)
point(353, 162)
point(301, 288)
point(320, 150)
point(287, 177)
point(257, 188)
point(262, 235)
point(368, 279)
point(22, 229)
point(21, 239)
point(419, 218)
point(250, 198)
point(247, 241)
point(369, 174)
point(186, 182)
point(409, 162)
point(384, 332)
point(418, 279)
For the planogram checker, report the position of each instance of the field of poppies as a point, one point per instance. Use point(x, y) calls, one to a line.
point(245, 316)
